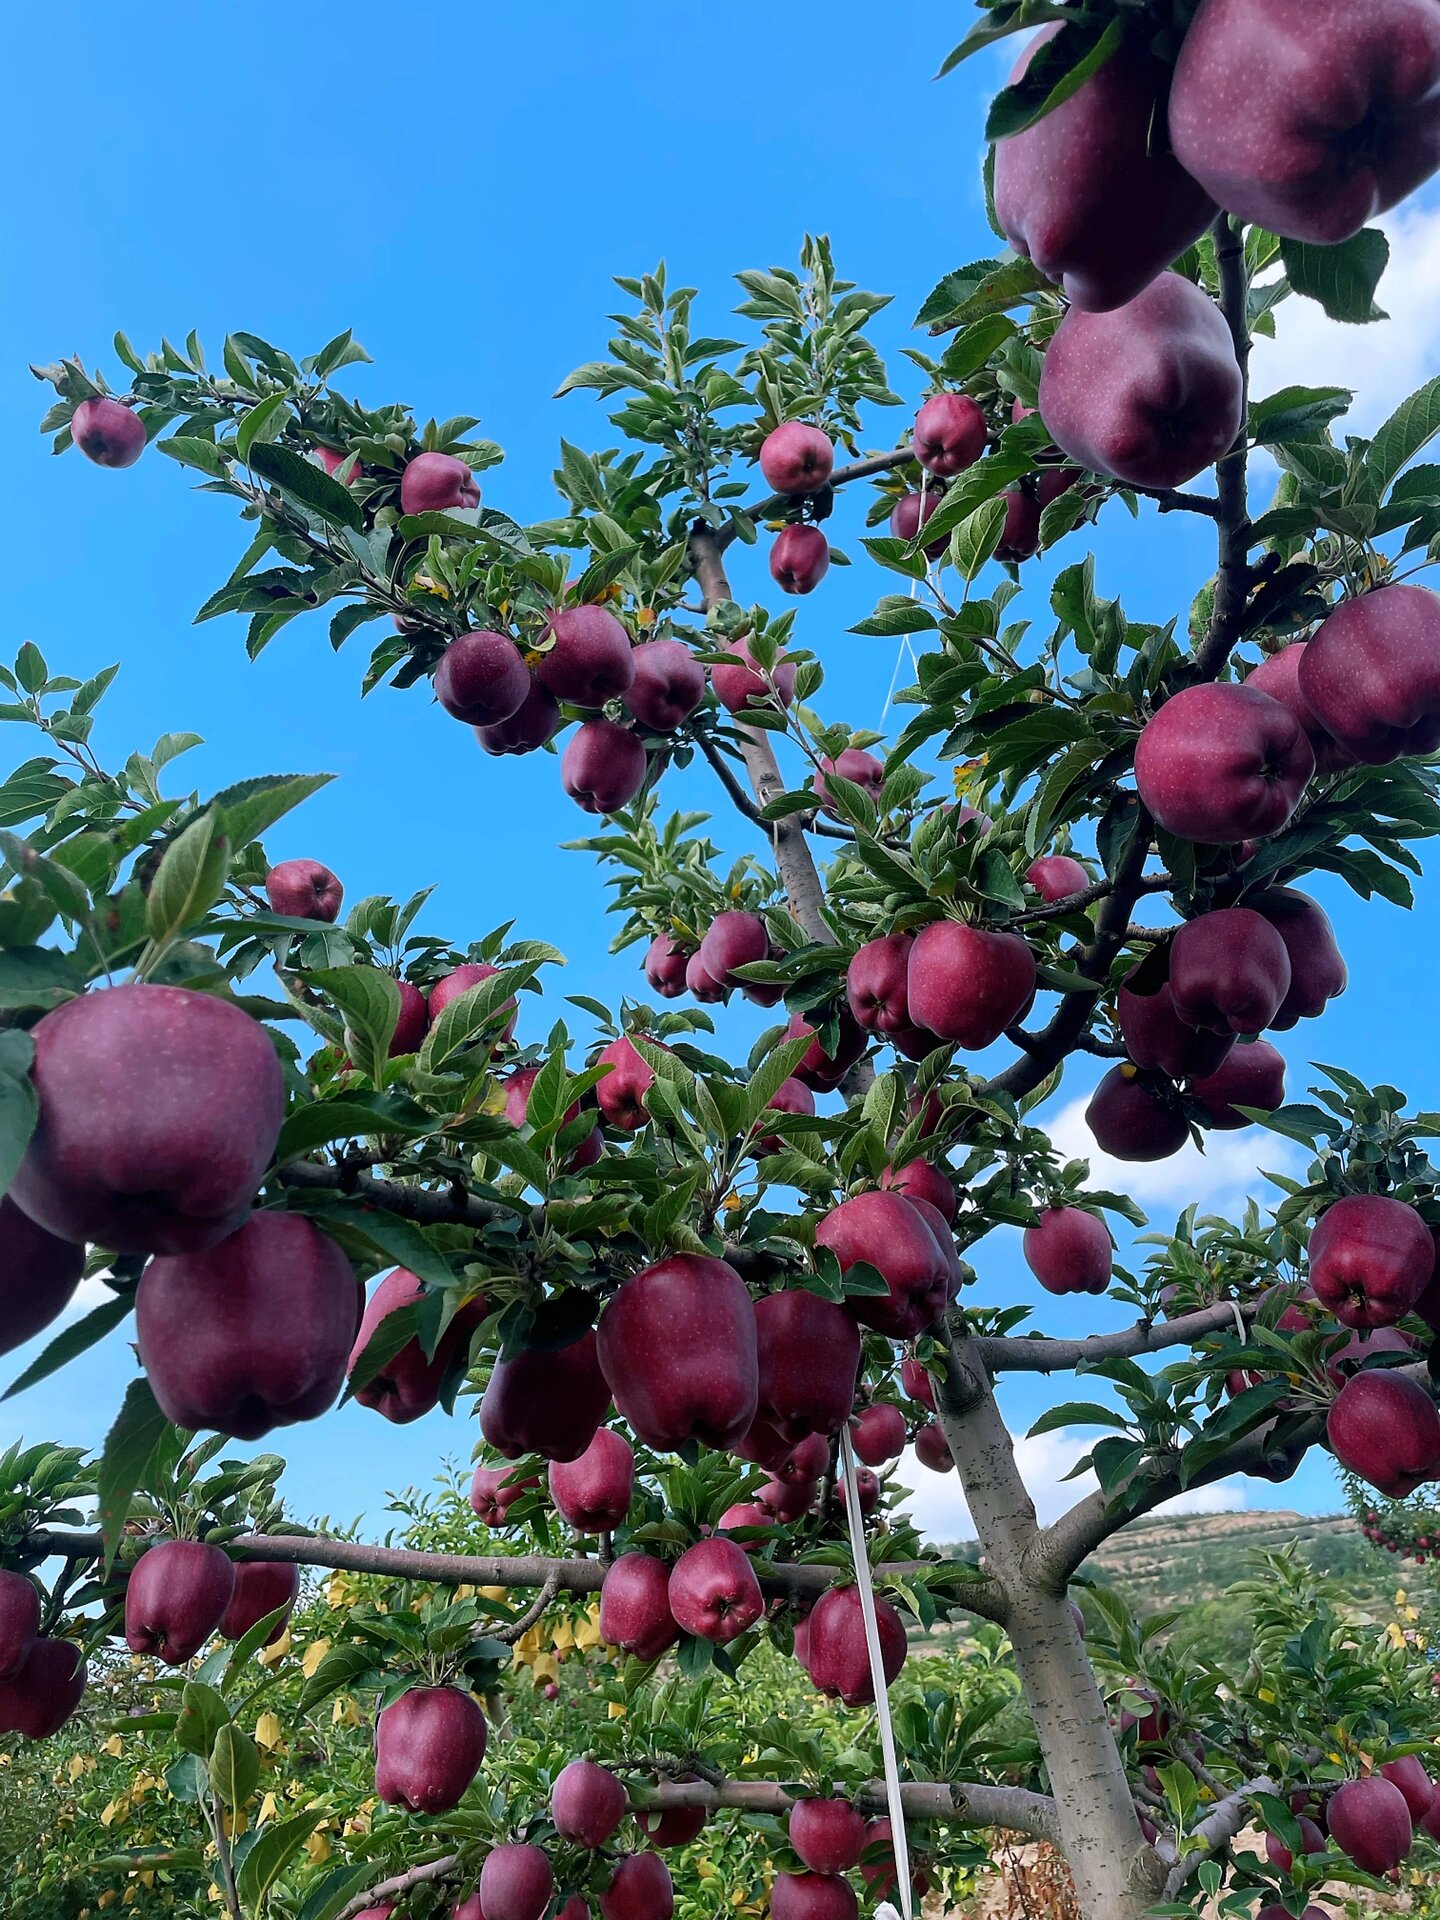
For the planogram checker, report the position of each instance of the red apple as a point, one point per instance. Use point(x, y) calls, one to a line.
point(1134, 1118)
point(701, 983)
point(593, 1492)
point(546, 1400)
point(783, 1501)
point(532, 725)
point(38, 1275)
point(516, 1882)
point(812, 1896)
point(517, 1106)
point(1317, 969)
point(665, 963)
point(808, 1353)
point(887, 1232)
point(19, 1621)
point(640, 1889)
point(107, 432)
point(1371, 1258)
point(621, 1094)
point(44, 1694)
point(742, 683)
point(590, 660)
point(882, 1876)
point(428, 1747)
point(1157, 1038)
point(1252, 1075)
point(252, 1334)
point(175, 1599)
point(1385, 1428)
point(1309, 119)
point(932, 1449)
point(913, 511)
point(677, 1344)
point(875, 983)
point(603, 766)
point(917, 1383)
point(1278, 674)
point(745, 1513)
point(1372, 674)
point(806, 1462)
point(1055, 876)
point(733, 940)
point(791, 1096)
point(1312, 1840)
point(413, 1021)
point(1357, 1350)
point(920, 1181)
point(1413, 1781)
point(713, 1591)
point(967, 984)
point(635, 1606)
point(1369, 1820)
point(408, 1384)
point(821, 1070)
point(878, 1434)
point(852, 764)
point(1070, 1251)
point(160, 1108)
point(261, 1587)
point(434, 482)
point(828, 1835)
point(1150, 393)
point(1221, 763)
point(1020, 534)
point(799, 559)
point(304, 890)
point(797, 458)
point(839, 1662)
point(668, 685)
point(587, 1804)
point(333, 458)
point(482, 679)
point(1229, 971)
point(950, 434)
point(494, 1490)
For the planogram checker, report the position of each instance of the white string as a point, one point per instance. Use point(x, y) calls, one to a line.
point(861, 1558)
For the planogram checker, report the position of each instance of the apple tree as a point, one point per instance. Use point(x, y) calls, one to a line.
point(698, 1302)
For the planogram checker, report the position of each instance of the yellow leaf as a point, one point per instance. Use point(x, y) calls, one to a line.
point(317, 1849)
point(269, 1807)
point(113, 1746)
point(617, 1709)
point(313, 1655)
point(272, 1656)
point(344, 1713)
point(268, 1731)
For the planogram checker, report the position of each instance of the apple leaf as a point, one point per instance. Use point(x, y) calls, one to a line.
point(369, 1001)
point(772, 1073)
point(355, 1115)
point(470, 1013)
point(202, 1714)
point(18, 1106)
point(307, 485)
point(252, 807)
point(141, 1433)
point(76, 1339)
point(234, 1765)
point(348, 1667)
point(337, 1889)
point(1412, 426)
point(1052, 76)
point(188, 881)
point(275, 1847)
point(193, 451)
point(1342, 279)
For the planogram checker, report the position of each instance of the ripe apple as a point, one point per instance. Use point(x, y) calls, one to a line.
point(1358, 1349)
point(1371, 674)
point(107, 432)
point(1369, 1820)
point(877, 1434)
point(806, 1462)
point(1371, 1258)
point(875, 983)
point(745, 1513)
point(761, 1444)
point(546, 1400)
point(740, 683)
point(588, 1804)
point(950, 434)
point(1070, 1251)
point(701, 983)
point(668, 685)
point(1221, 763)
point(1317, 968)
point(917, 1384)
point(621, 1094)
point(590, 660)
point(967, 984)
point(677, 1344)
point(1134, 1118)
point(808, 1354)
point(428, 1747)
point(482, 679)
point(19, 1621)
point(533, 724)
point(38, 1275)
point(603, 766)
point(839, 1662)
point(821, 1070)
point(1229, 971)
point(43, 1695)
point(1157, 1038)
point(867, 1492)
point(469, 1909)
point(1413, 1781)
point(812, 1896)
point(175, 1599)
point(828, 1835)
point(785, 1501)
point(1309, 119)
point(713, 1591)
point(640, 1889)
point(797, 458)
point(733, 940)
point(333, 458)
point(1385, 1428)
point(1252, 1075)
point(920, 1181)
point(1055, 876)
point(791, 1096)
point(261, 1587)
point(1312, 1840)
point(1092, 193)
point(494, 1490)
point(304, 890)
point(665, 963)
point(516, 1882)
point(1149, 393)
point(1020, 535)
point(913, 511)
point(593, 1492)
point(252, 1334)
point(517, 1106)
point(575, 1908)
point(434, 482)
point(855, 765)
point(408, 1384)
point(799, 559)
point(413, 1022)
point(635, 1606)
point(672, 1826)
point(1278, 674)
point(882, 1876)
point(932, 1449)
point(886, 1231)
point(159, 1112)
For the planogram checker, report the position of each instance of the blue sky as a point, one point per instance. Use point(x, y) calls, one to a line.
point(459, 186)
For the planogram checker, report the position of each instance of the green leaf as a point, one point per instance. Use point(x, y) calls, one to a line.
point(974, 541)
point(262, 423)
point(1342, 279)
point(984, 287)
point(369, 1001)
point(383, 1239)
point(336, 1889)
point(1411, 427)
point(894, 615)
point(470, 1013)
point(341, 1669)
point(1077, 1413)
point(202, 1714)
point(1051, 78)
point(234, 1765)
point(74, 1340)
point(275, 1847)
point(309, 486)
point(18, 1107)
point(138, 1435)
point(1296, 413)
point(772, 1073)
point(189, 881)
point(251, 807)
point(193, 451)
point(352, 1116)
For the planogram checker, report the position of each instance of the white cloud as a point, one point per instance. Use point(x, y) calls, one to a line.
point(1219, 1180)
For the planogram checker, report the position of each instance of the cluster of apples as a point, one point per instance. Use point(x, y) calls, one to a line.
point(1373, 1820)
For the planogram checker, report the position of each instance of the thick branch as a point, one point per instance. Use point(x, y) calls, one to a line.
point(1042, 1355)
point(1232, 587)
point(400, 1884)
point(873, 463)
point(426, 1206)
point(1216, 1833)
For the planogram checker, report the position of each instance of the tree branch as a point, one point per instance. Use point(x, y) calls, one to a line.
point(1040, 1354)
point(421, 1204)
point(1216, 1832)
point(766, 509)
point(1227, 619)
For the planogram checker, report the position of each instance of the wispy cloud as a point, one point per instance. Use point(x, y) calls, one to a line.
point(1219, 1180)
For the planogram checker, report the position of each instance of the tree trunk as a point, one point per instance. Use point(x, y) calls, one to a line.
point(1114, 1871)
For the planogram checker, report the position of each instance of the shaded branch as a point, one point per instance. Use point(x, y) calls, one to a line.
point(420, 1204)
point(1227, 619)
point(873, 463)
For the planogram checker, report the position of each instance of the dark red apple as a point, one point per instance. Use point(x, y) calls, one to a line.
point(42, 1696)
point(482, 679)
point(920, 1181)
point(1229, 971)
point(1134, 1118)
point(494, 1490)
point(828, 1835)
point(1278, 674)
point(745, 1513)
point(1157, 1038)
point(621, 1094)
point(1055, 876)
point(806, 1462)
point(913, 511)
point(887, 1232)
point(252, 1334)
point(839, 1662)
point(1372, 674)
point(677, 1344)
point(665, 962)
point(428, 1748)
point(1413, 1781)
point(1220, 763)
point(159, 1112)
point(107, 432)
point(797, 458)
point(261, 1587)
point(785, 1501)
point(875, 983)
point(517, 1107)
point(1371, 1258)
point(1149, 393)
point(333, 458)
point(516, 1882)
point(175, 1598)
point(590, 660)
point(878, 1434)
point(967, 984)
point(1070, 1251)
point(640, 1889)
point(1357, 1350)
point(603, 766)
point(1317, 969)
point(799, 559)
point(742, 683)
point(1369, 1820)
point(812, 1896)
point(668, 685)
point(593, 1492)
point(713, 1591)
point(917, 1383)
point(635, 1606)
point(854, 764)
point(672, 1826)
point(1091, 192)
point(587, 1804)
point(733, 940)
point(1386, 1429)
point(932, 1449)
point(304, 890)
point(19, 1621)
point(701, 983)
point(408, 1384)
point(791, 1096)
point(1312, 1840)
point(532, 725)
point(1020, 533)
point(808, 1353)
point(1309, 119)
point(882, 1876)
point(867, 1492)
point(1252, 1075)
point(821, 1070)
point(546, 1400)
point(38, 1276)
point(950, 434)
point(434, 482)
